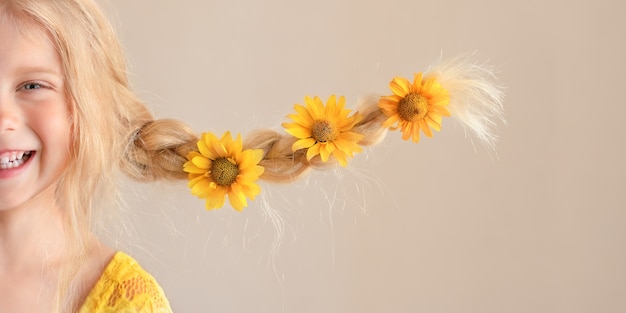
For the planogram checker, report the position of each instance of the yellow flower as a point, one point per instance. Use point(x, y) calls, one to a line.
point(221, 168)
point(324, 130)
point(415, 106)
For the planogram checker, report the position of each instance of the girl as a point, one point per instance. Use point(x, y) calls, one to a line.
point(70, 126)
point(66, 113)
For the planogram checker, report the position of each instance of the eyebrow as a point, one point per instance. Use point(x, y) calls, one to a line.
point(38, 69)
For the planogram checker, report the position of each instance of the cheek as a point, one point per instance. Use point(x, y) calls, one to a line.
point(57, 146)
point(51, 123)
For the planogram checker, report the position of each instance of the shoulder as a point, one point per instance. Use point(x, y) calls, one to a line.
point(126, 287)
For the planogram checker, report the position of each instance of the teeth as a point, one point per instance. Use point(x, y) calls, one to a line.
point(14, 159)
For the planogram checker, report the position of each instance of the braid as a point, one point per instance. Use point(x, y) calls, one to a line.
point(158, 150)
point(319, 136)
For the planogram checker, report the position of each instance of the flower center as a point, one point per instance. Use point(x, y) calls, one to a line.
point(224, 172)
point(324, 131)
point(413, 107)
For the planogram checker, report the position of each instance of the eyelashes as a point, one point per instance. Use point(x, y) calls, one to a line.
point(33, 86)
point(35, 91)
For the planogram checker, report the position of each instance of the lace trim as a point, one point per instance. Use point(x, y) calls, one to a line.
point(125, 287)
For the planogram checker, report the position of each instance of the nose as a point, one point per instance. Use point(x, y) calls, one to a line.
point(9, 113)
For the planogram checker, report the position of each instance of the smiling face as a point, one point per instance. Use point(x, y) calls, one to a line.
point(34, 117)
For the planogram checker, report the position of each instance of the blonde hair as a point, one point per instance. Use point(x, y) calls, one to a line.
point(113, 132)
point(111, 128)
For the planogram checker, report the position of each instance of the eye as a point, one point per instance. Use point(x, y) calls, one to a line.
point(32, 86)
point(33, 89)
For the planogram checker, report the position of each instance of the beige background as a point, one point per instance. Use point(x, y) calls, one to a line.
point(442, 226)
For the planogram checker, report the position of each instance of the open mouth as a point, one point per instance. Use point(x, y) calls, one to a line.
point(14, 159)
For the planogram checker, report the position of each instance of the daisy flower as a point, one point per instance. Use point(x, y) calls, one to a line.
point(415, 106)
point(221, 167)
point(324, 130)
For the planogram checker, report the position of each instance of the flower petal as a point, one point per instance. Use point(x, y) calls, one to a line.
point(236, 198)
point(325, 151)
point(201, 162)
point(201, 187)
point(299, 119)
point(351, 136)
point(388, 105)
point(312, 151)
point(304, 113)
point(417, 82)
point(331, 104)
point(303, 144)
point(315, 106)
point(416, 132)
point(203, 147)
point(341, 158)
point(424, 126)
point(251, 190)
point(400, 86)
point(392, 120)
point(216, 198)
point(347, 146)
point(233, 148)
point(299, 132)
point(248, 176)
point(434, 121)
point(440, 110)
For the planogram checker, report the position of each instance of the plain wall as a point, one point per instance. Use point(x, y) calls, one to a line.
point(440, 226)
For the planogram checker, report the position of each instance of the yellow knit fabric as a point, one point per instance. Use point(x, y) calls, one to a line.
point(125, 287)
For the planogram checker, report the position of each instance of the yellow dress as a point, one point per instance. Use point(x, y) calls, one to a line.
point(125, 287)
